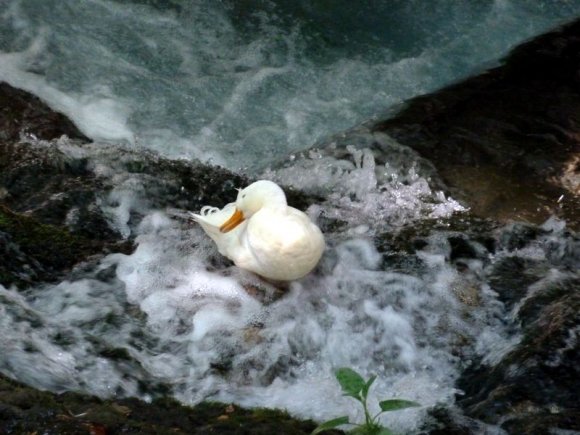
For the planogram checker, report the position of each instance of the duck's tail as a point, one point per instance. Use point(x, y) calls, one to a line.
point(212, 218)
point(208, 226)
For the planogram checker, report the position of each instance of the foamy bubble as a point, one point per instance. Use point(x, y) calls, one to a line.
point(362, 192)
point(346, 318)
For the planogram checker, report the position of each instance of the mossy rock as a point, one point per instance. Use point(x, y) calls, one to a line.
point(36, 251)
point(26, 410)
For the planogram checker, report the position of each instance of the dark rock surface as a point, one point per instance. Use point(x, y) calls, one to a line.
point(23, 114)
point(534, 387)
point(24, 410)
point(32, 252)
point(507, 142)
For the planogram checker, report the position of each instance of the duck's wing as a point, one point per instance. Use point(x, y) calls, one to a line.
point(281, 243)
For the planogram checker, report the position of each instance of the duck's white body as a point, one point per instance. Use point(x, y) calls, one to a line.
point(261, 233)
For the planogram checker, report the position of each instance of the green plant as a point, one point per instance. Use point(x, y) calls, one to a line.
point(353, 385)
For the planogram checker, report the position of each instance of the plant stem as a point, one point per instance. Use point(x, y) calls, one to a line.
point(378, 413)
point(367, 415)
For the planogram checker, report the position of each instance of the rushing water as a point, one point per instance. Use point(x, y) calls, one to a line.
point(164, 319)
point(245, 84)
point(242, 82)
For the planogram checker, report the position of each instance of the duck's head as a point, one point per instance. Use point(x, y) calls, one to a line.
point(257, 195)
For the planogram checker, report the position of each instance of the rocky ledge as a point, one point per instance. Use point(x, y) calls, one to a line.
point(507, 142)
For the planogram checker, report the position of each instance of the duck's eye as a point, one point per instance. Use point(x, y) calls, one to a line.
point(244, 195)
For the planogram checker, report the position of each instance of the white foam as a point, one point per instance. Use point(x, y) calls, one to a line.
point(323, 323)
point(196, 320)
point(364, 193)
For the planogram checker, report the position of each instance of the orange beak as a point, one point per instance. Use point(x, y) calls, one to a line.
point(236, 219)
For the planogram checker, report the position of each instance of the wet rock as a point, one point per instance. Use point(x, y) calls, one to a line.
point(506, 142)
point(535, 386)
point(190, 185)
point(518, 236)
point(22, 114)
point(49, 219)
point(468, 236)
point(26, 410)
point(49, 213)
point(41, 182)
point(533, 271)
point(511, 277)
point(34, 252)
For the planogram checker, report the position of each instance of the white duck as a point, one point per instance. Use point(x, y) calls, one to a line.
point(261, 233)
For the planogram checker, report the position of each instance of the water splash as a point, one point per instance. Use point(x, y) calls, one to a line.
point(170, 319)
point(363, 193)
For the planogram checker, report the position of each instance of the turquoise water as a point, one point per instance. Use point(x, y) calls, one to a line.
point(242, 83)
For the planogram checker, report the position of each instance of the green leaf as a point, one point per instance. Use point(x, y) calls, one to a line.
point(350, 381)
point(330, 424)
point(396, 404)
point(367, 386)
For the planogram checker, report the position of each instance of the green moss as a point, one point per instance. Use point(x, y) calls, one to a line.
point(47, 249)
point(26, 410)
point(45, 241)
